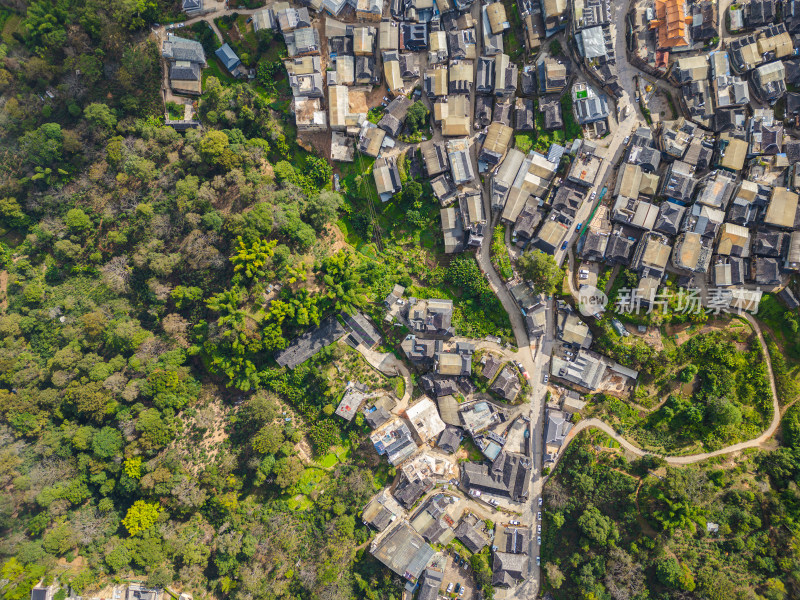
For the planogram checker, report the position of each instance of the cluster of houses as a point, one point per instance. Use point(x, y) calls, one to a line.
point(575, 364)
point(416, 513)
point(723, 210)
point(594, 34)
point(725, 80)
point(542, 206)
point(660, 28)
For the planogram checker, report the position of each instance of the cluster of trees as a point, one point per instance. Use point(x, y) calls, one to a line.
point(614, 530)
point(730, 398)
point(734, 389)
point(479, 312)
point(542, 271)
point(139, 285)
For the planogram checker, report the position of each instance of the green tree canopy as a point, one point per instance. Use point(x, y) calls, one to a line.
point(542, 271)
point(100, 115)
point(597, 527)
point(140, 517)
point(417, 116)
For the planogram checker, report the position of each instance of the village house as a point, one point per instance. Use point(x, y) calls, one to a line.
point(186, 60)
point(387, 177)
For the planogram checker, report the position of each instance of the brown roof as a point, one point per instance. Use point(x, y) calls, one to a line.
point(671, 23)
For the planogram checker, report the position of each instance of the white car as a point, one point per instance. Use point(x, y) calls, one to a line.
point(546, 378)
point(540, 503)
point(539, 515)
point(538, 561)
point(514, 522)
point(539, 528)
point(593, 196)
point(538, 540)
point(626, 140)
point(450, 587)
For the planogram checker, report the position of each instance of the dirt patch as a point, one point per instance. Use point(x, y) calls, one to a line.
point(3, 290)
point(207, 432)
point(76, 566)
point(375, 97)
point(318, 142)
point(336, 239)
point(682, 333)
point(652, 337)
point(235, 34)
point(304, 452)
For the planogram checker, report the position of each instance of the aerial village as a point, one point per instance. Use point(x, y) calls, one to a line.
point(673, 139)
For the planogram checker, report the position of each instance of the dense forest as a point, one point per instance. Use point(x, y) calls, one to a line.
point(146, 279)
point(725, 529)
point(143, 420)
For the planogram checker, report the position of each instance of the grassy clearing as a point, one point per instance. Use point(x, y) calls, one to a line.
point(473, 454)
point(523, 142)
point(215, 69)
point(500, 256)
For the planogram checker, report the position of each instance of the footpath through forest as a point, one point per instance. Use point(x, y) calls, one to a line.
point(695, 458)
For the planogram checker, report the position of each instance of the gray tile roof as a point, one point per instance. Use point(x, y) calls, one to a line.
point(228, 57)
point(178, 48)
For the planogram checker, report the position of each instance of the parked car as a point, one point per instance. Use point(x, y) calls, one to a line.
point(593, 195)
point(564, 245)
point(461, 593)
point(514, 522)
point(538, 561)
point(450, 587)
point(539, 528)
point(626, 140)
point(546, 378)
point(525, 374)
point(474, 493)
point(538, 540)
point(539, 515)
point(578, 226)
point(458, 587)
point(540, 503)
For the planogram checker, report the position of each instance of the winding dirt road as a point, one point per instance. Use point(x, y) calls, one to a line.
point(695, 458)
